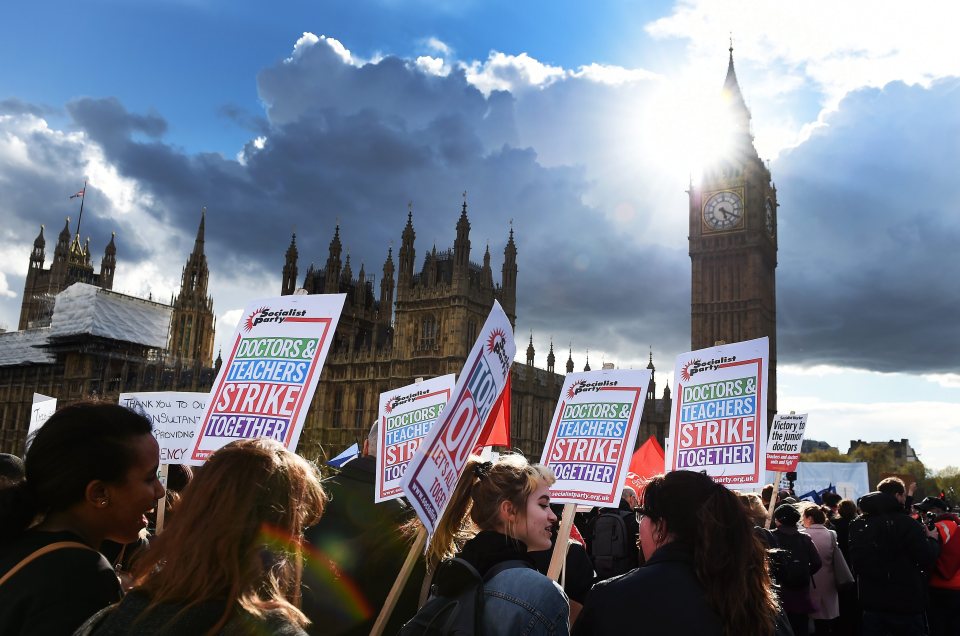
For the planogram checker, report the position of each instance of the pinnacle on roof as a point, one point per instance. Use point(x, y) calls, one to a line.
point(650, 364)
point(292, 249)
point(733, 96)
point(65, 232)
point(111, 248)
point(40, 241)
point(198, 243)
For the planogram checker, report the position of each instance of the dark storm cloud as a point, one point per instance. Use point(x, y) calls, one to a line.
point(356, 144)
point(14, 106)
point(108, 121)
point(867, 229)
point(869, 232)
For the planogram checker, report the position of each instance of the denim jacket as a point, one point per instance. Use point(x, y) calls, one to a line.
point(523, 602)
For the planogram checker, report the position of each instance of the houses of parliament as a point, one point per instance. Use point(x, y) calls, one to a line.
point(420, 320)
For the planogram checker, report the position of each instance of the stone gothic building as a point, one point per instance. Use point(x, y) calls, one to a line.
point(83, 340)
point(71, 264)
point(192, 324)
point(427, 329)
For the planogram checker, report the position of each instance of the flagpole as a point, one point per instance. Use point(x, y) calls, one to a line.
point(80, 218)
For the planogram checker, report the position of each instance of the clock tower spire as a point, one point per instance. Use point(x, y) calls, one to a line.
point(733, 239)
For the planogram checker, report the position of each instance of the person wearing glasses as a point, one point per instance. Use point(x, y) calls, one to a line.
point(705, 573)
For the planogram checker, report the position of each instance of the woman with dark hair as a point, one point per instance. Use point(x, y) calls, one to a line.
point(231, 559)
point(496, 513)
point(705, 572)
point(90, 475)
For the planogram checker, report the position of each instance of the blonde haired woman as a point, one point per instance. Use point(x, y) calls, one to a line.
point(497, 513)
point(230, 561)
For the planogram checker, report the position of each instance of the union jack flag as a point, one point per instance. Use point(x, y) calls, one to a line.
point(78, 194)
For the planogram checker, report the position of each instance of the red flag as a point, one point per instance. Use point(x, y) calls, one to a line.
point(496, 432)
point(647, 462)
point(78, 194)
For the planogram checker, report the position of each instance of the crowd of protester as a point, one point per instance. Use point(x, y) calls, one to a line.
point(257, 543)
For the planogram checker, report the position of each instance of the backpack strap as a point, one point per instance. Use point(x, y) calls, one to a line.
point(505, 565)
point(59, 545)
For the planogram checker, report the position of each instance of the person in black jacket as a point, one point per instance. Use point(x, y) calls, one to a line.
point(799, 547)
point(891, 555)
point(705, 572)
point(91, 475)
point(363, 544)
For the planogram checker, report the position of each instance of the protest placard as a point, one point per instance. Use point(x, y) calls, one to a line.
point(435, 468)
point(719, 418)
point(43, 407)
point(175, 416)
point(266, 383)
point(593, 433)
point(406, 416)
point(783, 444)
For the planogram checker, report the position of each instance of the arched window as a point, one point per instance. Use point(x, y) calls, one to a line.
point(471, 332)
point(359, 400)
point(428, 333)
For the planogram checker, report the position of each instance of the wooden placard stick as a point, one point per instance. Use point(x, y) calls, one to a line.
point(773, 499)
point(415, 551)
point(559, 556)
point(162, 502)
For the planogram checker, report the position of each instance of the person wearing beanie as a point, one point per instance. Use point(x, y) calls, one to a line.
point(795, 565)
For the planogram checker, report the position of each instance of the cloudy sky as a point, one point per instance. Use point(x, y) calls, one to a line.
point(581, 123)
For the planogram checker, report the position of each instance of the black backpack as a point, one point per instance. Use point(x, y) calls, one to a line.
point(873, 547)
point(455, 606)
point(611, 544)
point(791, 562)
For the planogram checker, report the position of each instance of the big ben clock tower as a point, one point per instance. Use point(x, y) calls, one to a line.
point(733, 241)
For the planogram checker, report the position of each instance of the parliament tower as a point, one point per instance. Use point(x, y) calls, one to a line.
point(733, 241)
point(192, 322)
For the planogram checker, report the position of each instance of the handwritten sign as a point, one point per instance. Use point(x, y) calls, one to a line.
point(175, 416)
point(43, 407)
point(593, 434)
point(719, 418)
point(406, 416)
point(265, 385)
point(436, 466)
point(783, 445)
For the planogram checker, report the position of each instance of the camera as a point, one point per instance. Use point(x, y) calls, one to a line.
point(929, 519)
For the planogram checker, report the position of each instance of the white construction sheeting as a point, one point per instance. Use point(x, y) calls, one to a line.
point(25, 347)
point(83, 309)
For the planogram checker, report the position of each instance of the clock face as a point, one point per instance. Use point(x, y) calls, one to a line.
point(768, 214)
point(723, 211)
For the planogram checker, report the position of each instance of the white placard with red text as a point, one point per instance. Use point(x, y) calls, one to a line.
point(719, 418)
point(435, 468)
point(785, 440)
point(175, 416)
point(593, 434)
point(266, 383)
point(406, 416)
